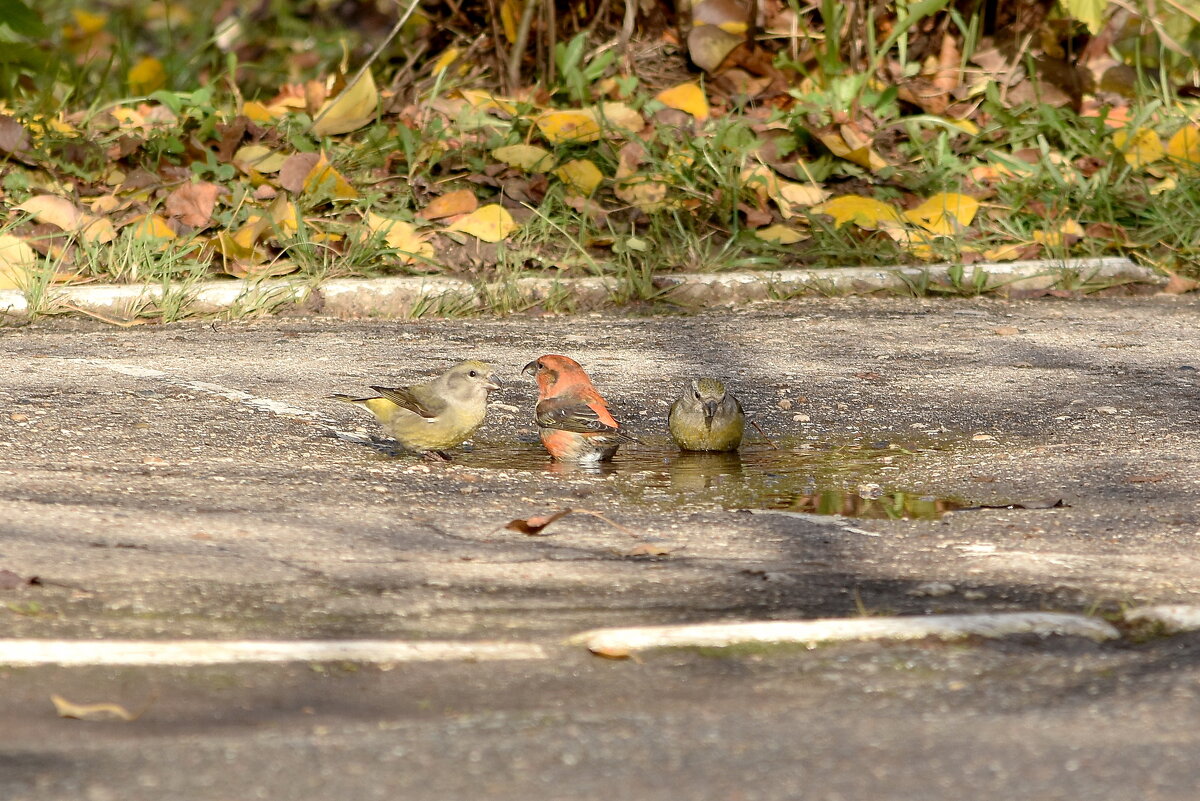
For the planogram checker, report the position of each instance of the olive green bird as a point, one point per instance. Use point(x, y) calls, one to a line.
point(439, 414)
point(706, 418)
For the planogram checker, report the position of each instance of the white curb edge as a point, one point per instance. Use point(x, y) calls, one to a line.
point(400, 297)
point(626, 641)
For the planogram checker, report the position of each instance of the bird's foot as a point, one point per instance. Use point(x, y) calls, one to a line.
point(436, 456)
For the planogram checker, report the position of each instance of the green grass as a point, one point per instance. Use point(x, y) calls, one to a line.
point(1031, 166)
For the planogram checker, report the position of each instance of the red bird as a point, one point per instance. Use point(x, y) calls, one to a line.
point(575, 423)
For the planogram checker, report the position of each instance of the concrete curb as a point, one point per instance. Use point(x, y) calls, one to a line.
point(624, 642)
point(433, 296)
point(228, 652)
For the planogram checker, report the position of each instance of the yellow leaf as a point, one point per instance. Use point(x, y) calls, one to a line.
point(861, 155)
point(447, 58)
point(865, 212)
point(510, 13)
point(780, 235)
point(1165, 185)
point(324, 179)
point(588, 124)
point(687, 97)
point(146, 76)
point(353, 108)
point(572, 125)
point(256, 111)
point(944, 214)
point(16, 259)
point(486, 101)
point(401, 236)
point(529, 158)
point(258, 158)
point(581, 176)
point(966, 126)
point(1058, 237)
point(1184, 145)
point(88, 23)
point(1004, 252)
point(621, 117)
point(1143, 147)
point(451, 204)
point(151, 226)
point(490, 223)
point(799, 194)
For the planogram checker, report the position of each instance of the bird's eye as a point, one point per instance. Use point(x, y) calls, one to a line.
point(697, 394)
point(541, 366)
point(473, 374)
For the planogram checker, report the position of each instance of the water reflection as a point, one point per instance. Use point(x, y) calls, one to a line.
point(854, 480)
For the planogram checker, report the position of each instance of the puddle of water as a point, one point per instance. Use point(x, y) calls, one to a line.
point(849, 480)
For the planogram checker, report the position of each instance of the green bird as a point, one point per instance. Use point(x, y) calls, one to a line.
point(706, 418)
point(439, 414)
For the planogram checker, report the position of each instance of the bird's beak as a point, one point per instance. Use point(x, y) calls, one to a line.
point(530, 368)
point(710, 411)
point(493, 383)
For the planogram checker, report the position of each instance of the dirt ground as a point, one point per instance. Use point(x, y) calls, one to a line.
point(194, 480)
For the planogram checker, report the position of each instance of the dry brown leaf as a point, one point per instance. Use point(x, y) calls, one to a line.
point(295, 169)
point(67, 709)
point(193, 204)
point(534, 525)
point(451, 204)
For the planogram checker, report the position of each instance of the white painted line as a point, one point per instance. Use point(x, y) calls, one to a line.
point(263, 404)
point(1174, 618)
point(227, 652)
point(622, 642)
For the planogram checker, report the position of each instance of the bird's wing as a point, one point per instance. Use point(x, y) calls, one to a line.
point(425, 404)
point(568, 414)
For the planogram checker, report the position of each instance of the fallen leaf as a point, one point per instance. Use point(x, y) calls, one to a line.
point(490, 223)
point(16, 260)
point(295, 169)
point(258, 158)
point(780, 234)
point(687, 97)
point(1184, 145)
point(451, 204)
point(146, 76)
point(193, 203)
point(534, 525)
point(324, 179)
point(1006, 331)
point(571, 125)
point(581, 176)
point(1141, 148)
point(402, 236)
point(642, 191)
point(13, 136)
point(865, 212)
point(67, 709)
point(353, 108)
point(944, 214)
point(1178, 285)
point(62, 213)
point(151, 226)
point(529, 158)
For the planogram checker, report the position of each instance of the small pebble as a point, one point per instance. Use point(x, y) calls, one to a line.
point(784, 404)
point(800, 418)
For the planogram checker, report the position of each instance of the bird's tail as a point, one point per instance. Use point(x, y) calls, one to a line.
point(349, 399)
